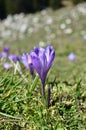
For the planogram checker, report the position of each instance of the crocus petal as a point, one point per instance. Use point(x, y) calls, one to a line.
point(36, 63)
point(24, 59)
point(7, 66)
point(39, 68)
point(72, 56)
point(6, 50)
point(39, 61)
point(14, 58)
point(39, 51)
point(4, 55)
point(50, 54)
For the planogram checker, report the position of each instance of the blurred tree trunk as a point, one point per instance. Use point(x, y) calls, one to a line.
point(55, 4)
point(2, 9)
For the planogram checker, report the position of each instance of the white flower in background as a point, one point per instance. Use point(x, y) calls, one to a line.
point(82, 9)
point(47, 29)
point(1, 42)
point(20, 26)
point(41, 43)
point(74, 15)
point(68, 21)
point(62, 26)
point(6, 33)
point(68, 31)
point(49, 20)
point(30, 30)
point(18, 16)
point(35, 20)
point(23, 28)
point(43, 12)
point(8, 21)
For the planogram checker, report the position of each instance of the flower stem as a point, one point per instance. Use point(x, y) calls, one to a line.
point(49, 93)
point(43, 90)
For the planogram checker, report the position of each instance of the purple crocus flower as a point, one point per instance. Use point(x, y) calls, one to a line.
point(6, 50)
point(7, 66)
point(42, 60)
point(26, 60)
point(72, 56)
point(4, 55)
point(14, 58)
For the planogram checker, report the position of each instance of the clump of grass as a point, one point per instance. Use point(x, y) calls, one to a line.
point(21, 104)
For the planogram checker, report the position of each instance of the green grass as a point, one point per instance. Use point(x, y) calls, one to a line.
point(21, 102)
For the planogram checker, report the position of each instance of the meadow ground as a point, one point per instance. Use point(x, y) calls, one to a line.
point(21, 103)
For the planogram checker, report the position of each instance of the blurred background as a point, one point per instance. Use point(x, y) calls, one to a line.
point(28, 23)
point(31, 6)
